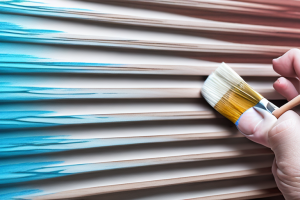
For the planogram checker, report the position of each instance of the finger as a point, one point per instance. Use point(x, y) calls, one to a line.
point(286, 88)
point(255, 124)
point(289, 64)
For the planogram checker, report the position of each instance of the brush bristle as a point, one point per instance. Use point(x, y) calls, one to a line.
point(228, 93)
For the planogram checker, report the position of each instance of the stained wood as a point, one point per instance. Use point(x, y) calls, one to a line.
point(247, 7)
point(244, 195)
point(192, 25)
point(292, 3)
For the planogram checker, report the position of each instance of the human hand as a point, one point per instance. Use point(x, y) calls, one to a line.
point(282, 135)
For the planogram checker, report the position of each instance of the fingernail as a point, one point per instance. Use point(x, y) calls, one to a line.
point(277, 58)
point(280, 80)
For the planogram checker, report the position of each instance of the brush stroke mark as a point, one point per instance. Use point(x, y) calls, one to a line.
point(66, 67)
point(17, 58)
point(15, 93)
point(12, 119)
point(16, 193)
point(13, 33)
point(32, 119)
point(40, 168)
point(22, 144)
point(36, 8)
point(10, 32)
point(11, 29)
point(23, 172)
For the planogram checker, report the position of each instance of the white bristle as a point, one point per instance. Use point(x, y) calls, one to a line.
point(219, 83)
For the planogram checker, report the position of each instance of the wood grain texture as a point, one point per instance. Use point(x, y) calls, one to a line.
point(290, 3)
point(94, 41)
point(244, 195)
point(256, 8)
point(208, 26)
point(157, 183)
point(75, 129)
point(142, 69)
point(38, 94)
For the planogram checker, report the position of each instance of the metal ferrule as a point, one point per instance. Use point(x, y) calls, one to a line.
point(266, 105)
point(263, 104)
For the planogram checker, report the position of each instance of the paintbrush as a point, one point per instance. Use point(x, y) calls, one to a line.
point(231, 96)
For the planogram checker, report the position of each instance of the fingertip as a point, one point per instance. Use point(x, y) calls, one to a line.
point(288, 65)
point(276, 60)
point(280, 83)
point(255, 123)
point(286, 88)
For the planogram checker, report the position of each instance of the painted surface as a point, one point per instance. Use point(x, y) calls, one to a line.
point(27, 157)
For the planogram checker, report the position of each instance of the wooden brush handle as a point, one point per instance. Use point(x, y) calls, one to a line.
point(288, 106)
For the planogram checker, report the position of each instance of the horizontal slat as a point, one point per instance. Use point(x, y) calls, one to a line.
point(196, 190)
point(200, 70)
point(165, 22)
point(119, 101)
point(244, 195)
point(40, 120)
point(292, 3)
point(72, 163)
point(51, 143)
point(276, 8)
point(44, 93)
point(152, 184)
point(37, 141)
point(87, 40)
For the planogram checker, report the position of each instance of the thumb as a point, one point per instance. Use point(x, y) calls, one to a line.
point(284, 140)
point(283, 137)
point(255, 124)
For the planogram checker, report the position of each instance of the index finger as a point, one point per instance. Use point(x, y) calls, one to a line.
point(288, 65)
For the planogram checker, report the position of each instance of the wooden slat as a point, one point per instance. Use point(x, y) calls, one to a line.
point(153, 184)
point(75, 166)
point(244, 195)
point(87, 40)
point(292, 3)
point(200, 25)
point(190, 70)
point(169, 100)
point(36, 148)
point(37, 94)
point(254, 8)
point(48, 121)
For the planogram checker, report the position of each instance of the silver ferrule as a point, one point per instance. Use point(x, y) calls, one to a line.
point(266, 105)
